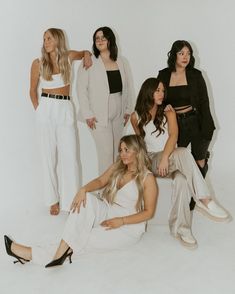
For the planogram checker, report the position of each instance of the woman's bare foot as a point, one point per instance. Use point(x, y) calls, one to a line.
point(22, 251)
point(55, 209)
point(61, 249)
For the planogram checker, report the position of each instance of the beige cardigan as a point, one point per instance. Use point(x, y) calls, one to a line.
point(93, 90)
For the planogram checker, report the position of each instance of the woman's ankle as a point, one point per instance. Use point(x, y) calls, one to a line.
point(205, 201)
point(22, 251)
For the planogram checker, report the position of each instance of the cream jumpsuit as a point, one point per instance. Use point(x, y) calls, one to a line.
point(83, 232)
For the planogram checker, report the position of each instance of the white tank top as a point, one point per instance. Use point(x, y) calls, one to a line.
point(153, 143)
point(56, 82)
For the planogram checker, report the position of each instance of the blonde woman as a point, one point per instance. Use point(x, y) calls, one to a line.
point(55, 117)
point(115, 221)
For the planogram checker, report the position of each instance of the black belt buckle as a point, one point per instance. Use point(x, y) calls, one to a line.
point(61, 97)
point(187, 114)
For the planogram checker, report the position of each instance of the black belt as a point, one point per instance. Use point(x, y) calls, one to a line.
point(63, 97)
point(186, 114)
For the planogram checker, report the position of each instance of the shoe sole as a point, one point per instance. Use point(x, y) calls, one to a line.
point(213, 218)
point(189, 246)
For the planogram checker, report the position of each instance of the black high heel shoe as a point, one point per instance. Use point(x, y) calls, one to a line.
point(8, 243)
point(61, 260)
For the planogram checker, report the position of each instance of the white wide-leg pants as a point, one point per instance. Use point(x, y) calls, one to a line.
point(107, 137)
point(58, 140)
point(187, 182)
point(83, 232)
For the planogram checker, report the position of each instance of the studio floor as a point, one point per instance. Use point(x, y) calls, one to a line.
point(157, 264)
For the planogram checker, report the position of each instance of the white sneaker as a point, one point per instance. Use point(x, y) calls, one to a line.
point(187, 240)
point(213, 211)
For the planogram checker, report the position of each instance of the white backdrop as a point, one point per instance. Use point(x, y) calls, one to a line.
point(145, 32)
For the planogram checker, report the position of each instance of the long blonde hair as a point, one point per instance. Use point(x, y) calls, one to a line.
point(137, 144)
point(62, 59)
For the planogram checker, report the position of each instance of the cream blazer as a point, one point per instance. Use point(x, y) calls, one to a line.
point(93, 90)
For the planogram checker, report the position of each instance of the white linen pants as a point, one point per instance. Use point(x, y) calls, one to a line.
point(84, 234)
point(57, 135)
point(107, 137)
point(187, 182)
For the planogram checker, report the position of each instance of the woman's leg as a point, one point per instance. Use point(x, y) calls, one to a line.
point(47, 138)
point(68, 178)
point(180, 216)
point(117, 121)
point(103, 138)
point(185, 163)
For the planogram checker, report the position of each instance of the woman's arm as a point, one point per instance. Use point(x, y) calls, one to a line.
point(34, 79)
point(150, 200)
point(170, 143)
point(207, 123)
point(93, 185)
point(130, 89)
point(78, 55)
point(134, 123)
point(83, 93)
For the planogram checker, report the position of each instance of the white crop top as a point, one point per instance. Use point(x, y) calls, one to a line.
point(56, 82)
point(153, 143)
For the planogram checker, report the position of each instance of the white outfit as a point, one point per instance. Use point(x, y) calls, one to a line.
point(57, 132)
point(83, 232)
point(96, 101)
point(187, 179)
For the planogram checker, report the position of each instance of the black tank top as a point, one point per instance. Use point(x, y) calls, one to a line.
point(178, 96)
point(115, 81)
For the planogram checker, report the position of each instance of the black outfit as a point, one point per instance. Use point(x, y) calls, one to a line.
point(196, 126)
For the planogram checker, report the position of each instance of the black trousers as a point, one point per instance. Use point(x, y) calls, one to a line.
point(190, 132)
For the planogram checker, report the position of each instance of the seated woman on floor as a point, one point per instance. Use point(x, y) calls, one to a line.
point(117, 220)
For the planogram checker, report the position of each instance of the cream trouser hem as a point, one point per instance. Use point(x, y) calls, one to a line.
point(187, 182)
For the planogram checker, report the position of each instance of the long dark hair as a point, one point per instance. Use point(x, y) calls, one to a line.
point(112, 46)
point(145, 103)
point(172, 54)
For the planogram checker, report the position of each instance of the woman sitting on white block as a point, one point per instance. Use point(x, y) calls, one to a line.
point(150, 121)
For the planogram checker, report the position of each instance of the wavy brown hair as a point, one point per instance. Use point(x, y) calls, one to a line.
point(136, 143)
point(145, 103)
point(62, 59)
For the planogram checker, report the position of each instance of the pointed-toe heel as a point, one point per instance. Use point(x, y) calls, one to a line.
point(61, 260)
point(8, 243)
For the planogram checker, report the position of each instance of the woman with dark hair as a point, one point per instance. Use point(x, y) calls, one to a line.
point(105, 93)
point(187, 94)
point(115, 221)
point(151, 122)
point(55, 118)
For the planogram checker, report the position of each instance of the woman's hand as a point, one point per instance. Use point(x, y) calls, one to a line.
point(113, 223)
point(169, 108)
point(126, 117)
point(87, 62)
point(91, 122)
point(163, 167)
point(79, 199)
